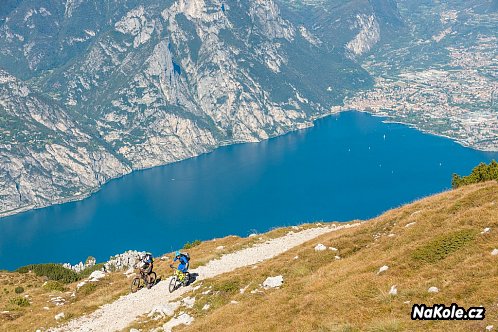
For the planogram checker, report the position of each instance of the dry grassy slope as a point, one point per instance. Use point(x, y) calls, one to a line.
point(321, 293)
point(324, 294)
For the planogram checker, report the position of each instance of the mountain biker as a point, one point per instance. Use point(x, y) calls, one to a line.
point(147, 264)
point(183, 266)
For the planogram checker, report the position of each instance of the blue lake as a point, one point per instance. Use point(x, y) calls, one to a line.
point(349, 166)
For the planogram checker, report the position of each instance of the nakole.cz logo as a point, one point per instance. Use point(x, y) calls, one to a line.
point(442, 312)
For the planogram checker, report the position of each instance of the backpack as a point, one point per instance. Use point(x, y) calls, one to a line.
point(186, 255)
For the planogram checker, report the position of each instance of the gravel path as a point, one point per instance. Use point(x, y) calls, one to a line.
point(120, 313)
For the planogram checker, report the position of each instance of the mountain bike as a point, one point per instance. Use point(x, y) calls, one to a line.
point(178, 279)
point(143, 280)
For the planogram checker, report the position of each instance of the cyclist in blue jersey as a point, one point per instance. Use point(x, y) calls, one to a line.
point(184, 262)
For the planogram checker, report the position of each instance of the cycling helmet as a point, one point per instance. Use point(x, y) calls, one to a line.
point(177, 253)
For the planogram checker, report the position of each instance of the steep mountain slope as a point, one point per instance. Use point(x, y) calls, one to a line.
point(446, 241)
point(153, 82)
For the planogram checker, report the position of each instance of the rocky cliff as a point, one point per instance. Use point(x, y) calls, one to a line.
point(91, 90)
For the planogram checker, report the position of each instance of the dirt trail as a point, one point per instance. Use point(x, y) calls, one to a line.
point(120, 313)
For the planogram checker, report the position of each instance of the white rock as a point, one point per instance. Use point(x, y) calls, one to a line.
point(383, 269)
point(252, 235)
point(296, 257)
point(393, 290)
point(433, 289)
point(391, 235)
point(333, 249)
point(494, 252)
point(273, 282)
point(406, 302)
point(96, 276)
point(59, 316)
point(320, 247)
point(46, 308)
point(189, 301)
point(489, 328)
point(337, 257)
point(181, 319)
point(486, 230)
point(410, 224)
point(234, 302)
point(206, 307)
point(134, 330)
point(161, 311)
point(220, 248)
point(80, 284)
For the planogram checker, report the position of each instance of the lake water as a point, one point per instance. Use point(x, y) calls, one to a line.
point(349, 166)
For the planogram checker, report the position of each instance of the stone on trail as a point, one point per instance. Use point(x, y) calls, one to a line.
point(393, 291)
point(273, 282)
point(206, 307)
point(494, 252)
point(489, 328)
point(189, 301)
point(182, 319)
point(164, 310)
point(433, 289)
point(59, 316)
point(220, 248)
point(320, 247)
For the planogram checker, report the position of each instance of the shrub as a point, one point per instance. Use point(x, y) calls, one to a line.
point(443, 246)
point(87, 289)
point(53, 285)
point(192, 244)
point(19, 301)
point(480, 173)
point(19, 290)
point(52, 271)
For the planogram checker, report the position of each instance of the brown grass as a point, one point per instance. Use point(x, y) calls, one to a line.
point(324, 294)
point(443, 248)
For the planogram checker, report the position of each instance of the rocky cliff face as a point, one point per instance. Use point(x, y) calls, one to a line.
point(91, 90)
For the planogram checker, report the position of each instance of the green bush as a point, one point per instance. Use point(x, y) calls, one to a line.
point(443, 246)
point(480, 173)
point(53, 285)
point(19, 301)
point(19, 290)
point(87, 289)
point(52, 271)
point(192, 244)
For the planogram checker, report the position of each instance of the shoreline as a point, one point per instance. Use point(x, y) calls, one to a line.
point(303, 126)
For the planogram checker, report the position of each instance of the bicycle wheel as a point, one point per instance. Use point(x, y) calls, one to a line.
point(173, 284)
point(135, 284)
